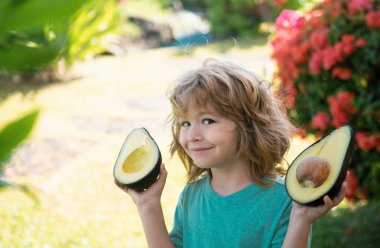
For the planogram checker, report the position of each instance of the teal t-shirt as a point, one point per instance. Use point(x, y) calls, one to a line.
point(252, 217)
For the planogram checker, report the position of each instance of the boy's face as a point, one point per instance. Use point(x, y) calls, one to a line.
point(208, 138)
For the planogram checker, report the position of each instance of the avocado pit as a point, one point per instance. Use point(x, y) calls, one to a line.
point(312, 172)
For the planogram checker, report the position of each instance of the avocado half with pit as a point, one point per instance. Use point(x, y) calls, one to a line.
point(321, 168)
point(139, 161)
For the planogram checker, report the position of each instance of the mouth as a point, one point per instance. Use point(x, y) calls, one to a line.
point(199, 150)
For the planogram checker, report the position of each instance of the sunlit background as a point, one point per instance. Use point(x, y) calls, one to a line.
point(76, 76)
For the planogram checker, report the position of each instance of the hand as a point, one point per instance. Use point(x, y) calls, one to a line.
point(311, 214)
point(150, 196)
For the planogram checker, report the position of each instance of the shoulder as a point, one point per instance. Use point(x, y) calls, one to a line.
point(197, 185)
point(277, 189)
point(196, 188)
point(280, 181)
point(277, 183)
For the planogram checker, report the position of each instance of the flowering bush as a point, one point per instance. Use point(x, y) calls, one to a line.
point(328, 61)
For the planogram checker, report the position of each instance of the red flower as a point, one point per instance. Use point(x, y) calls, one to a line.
point(335, 8)
point(348, 38)
point(374, 140)
point(288, 19)
point(320, 120)
point(315, 62)
point(348, 41)
point(352, 185)
point(300, 53)
point(341, 108)
point(344, 99)
point(338, 51)
point(372, 19)
point(357, 5)
point(363, 141)
point(330, 57)
point(342, 73)
point(318, 38)
point(360, 42)
point(316, 19)
point(301, 131)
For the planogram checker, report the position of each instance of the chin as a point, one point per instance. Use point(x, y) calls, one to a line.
point(203, 166)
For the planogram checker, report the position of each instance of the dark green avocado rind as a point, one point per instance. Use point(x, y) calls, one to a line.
point(334, 190)
point(147, 181)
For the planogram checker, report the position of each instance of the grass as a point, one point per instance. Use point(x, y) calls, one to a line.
point(349, 227)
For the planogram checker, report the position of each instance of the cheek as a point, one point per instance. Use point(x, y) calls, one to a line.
point(181, 139)
point(232, 140)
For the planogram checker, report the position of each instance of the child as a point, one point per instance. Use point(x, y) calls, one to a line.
point(230, 133)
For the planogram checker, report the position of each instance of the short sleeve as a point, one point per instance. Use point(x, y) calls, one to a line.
point(176, 234)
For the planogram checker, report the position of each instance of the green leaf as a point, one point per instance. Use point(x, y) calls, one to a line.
point(28, 191)
point(23, 188)
point(14, 133)
point(34, 32)
point(24, 58)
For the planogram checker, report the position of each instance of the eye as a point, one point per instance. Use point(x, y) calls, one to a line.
point(207, 121)
point(185, 124)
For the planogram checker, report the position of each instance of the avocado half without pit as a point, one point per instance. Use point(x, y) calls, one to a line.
point(139, 161)
point(321, 168)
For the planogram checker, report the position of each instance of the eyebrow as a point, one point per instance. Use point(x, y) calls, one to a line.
point(200, 114)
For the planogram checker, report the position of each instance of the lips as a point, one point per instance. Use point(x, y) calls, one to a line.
point(199, 149)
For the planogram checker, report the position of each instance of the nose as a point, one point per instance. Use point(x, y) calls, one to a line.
point(194, 133)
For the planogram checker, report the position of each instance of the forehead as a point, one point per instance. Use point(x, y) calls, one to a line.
point(199, 106)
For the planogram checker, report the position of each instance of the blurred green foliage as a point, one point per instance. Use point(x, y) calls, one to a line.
point(90, 25)
point(35, 34)
point(244, 16)
point(349, 228)
point(11, 136)
point(243, 19)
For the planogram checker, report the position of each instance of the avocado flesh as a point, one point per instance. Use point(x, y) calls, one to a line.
point(336, 148)
point(138, 163)
point(135, 160)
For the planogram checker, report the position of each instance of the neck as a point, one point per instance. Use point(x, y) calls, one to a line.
point(228, 181)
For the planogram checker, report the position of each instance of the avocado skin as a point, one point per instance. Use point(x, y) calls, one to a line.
point(151, 177)
point(334, 191)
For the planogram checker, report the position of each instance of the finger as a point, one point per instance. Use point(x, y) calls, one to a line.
point(341, 194)
point(122, 187)
point(163, 175)
point(328, 202)
point(118, 184)
point(131, 192)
